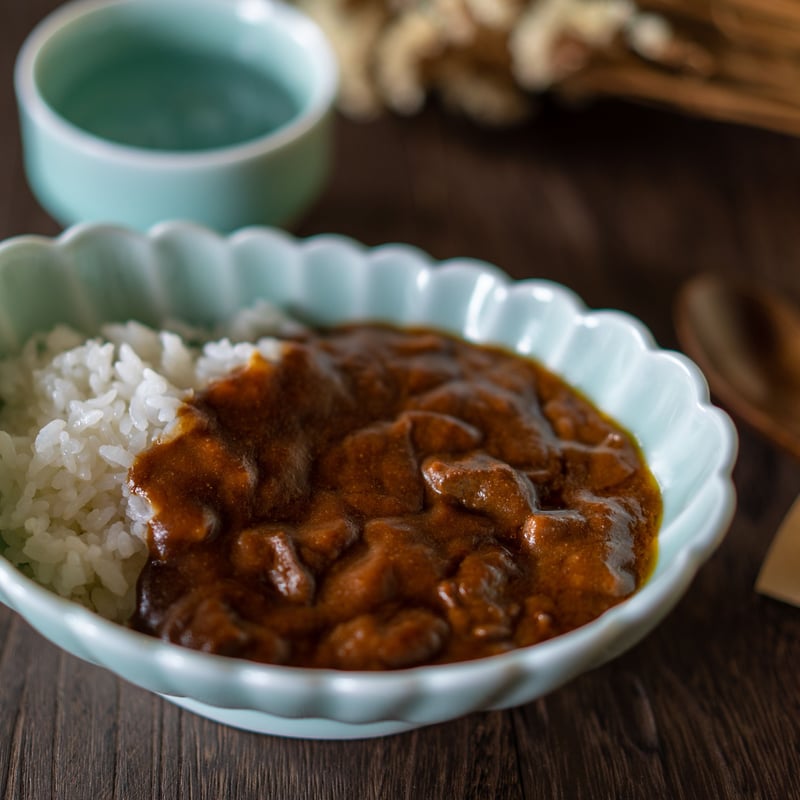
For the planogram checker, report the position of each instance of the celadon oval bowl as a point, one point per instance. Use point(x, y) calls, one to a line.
point(95, 274)
point(107, 137)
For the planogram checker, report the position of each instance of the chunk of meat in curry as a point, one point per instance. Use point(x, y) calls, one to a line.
point(382, 498)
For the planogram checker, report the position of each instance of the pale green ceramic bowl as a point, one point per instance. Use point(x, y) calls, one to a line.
point(138, 111)
point(94, 274)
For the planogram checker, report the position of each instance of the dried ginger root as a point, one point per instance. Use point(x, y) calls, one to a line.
point(735, 60)
point(353, 28)
point(485, 58)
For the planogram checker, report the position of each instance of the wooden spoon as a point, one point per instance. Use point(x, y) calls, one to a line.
point(747, 342)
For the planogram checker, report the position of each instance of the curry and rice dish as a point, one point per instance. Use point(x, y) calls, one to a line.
point(359, 498)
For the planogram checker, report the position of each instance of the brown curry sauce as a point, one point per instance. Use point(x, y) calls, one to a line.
point(382, 498)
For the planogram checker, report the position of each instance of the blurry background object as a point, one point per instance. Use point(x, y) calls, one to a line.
point(734, 60)
point(130, 116)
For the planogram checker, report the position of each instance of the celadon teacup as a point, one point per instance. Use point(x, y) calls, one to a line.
point(139, 111)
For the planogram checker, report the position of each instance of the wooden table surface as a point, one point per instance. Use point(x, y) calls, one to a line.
point(621, 204)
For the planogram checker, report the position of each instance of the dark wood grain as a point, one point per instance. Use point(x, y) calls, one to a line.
point(621, 204)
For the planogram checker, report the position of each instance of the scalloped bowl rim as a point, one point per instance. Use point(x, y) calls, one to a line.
point(226, 681)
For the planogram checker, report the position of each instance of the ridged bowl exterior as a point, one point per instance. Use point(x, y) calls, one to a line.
point(95, 273)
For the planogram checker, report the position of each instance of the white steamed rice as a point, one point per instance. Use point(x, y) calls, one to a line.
point(75, 414)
